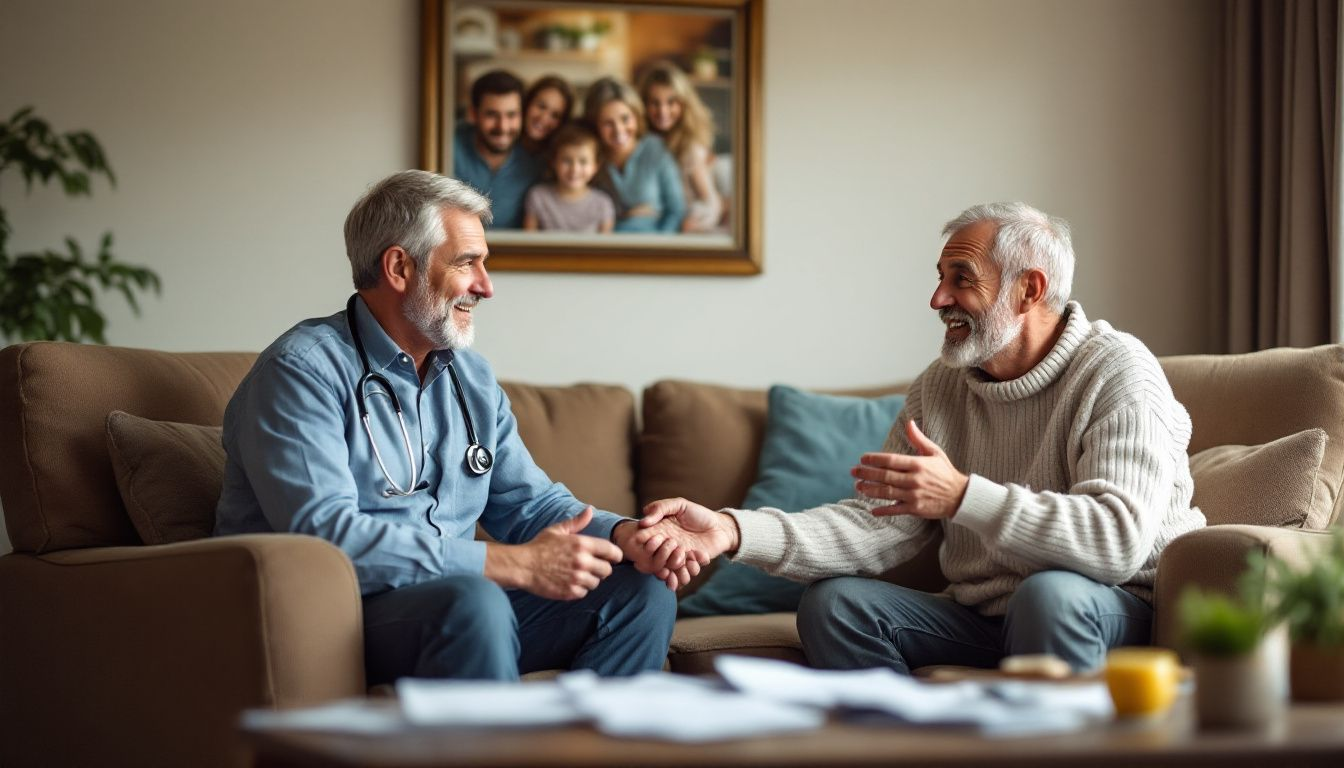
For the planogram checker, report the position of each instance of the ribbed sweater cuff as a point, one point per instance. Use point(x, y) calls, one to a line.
point(761, 537)
point(980, 507)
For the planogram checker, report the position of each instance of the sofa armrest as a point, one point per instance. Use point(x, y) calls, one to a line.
point(151, 653)
point(1213, 558)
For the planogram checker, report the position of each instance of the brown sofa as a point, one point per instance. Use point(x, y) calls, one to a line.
point(114, 652)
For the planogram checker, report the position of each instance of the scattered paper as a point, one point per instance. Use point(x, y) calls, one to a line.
point(661, 705)
point(456, 702)
point(344, 716)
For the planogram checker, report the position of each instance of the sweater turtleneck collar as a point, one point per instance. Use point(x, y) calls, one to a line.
point(1044, 373)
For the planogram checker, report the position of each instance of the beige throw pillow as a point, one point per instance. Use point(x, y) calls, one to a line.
point(1277, 484)
point(169, 474)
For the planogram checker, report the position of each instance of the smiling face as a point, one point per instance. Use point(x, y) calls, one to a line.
point(575, 164)
point(978, 316)
point(618, 127)
point(441, 303)
point(498, 120)
point(663, 107)
point(544, 114)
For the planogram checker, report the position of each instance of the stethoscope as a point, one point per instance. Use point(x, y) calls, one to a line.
point(478, 457)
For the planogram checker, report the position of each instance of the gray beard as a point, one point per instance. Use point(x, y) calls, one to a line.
point(433, 317)
point(989, 335)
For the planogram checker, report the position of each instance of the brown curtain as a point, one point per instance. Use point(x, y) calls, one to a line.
point(1274, 175)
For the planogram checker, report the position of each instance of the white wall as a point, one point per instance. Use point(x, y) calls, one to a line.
point(242, 131)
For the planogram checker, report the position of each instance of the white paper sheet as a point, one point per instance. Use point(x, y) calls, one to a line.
point(451, 702)
point(660, 705)
point(345, 716)
point(1004, 708)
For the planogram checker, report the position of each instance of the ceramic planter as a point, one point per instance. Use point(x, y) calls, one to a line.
point(1245, 691)
point(1316, 673)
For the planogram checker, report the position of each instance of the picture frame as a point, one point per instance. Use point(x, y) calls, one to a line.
point(717, 47)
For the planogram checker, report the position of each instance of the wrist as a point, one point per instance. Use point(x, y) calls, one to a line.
point(622, 531)
point(732, 532)
point(505, 565)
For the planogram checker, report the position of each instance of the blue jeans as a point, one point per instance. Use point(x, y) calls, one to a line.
point(471, 628)
point(857, 623)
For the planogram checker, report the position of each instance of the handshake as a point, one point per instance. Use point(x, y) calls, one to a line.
point(673, 540)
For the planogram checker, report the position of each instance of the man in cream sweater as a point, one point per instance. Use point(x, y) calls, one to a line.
point(1047, 450)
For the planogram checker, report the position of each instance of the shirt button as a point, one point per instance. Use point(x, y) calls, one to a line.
point(404, 359)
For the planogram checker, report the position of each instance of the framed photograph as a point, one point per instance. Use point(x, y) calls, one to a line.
point(610, 135)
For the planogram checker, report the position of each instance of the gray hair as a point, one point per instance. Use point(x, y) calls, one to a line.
point(1026, 239)
point(405, 209)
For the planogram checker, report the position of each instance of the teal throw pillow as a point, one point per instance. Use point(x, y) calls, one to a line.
point(811, 442)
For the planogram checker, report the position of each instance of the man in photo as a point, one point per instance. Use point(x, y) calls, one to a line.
point(487, 153)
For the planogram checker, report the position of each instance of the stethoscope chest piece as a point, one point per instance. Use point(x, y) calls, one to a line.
point(479, 459)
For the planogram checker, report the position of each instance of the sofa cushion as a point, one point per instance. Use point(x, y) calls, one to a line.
point(811, 441)
point(169, 474)
point(58, 486)
point(1258, 397)
point(1279, 483)
point(583, 436)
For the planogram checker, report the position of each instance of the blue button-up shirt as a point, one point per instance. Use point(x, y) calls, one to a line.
point(507, 186)
point(650, 177)
point(300, 461)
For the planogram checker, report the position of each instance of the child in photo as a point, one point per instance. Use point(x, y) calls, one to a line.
point(568, 204)
point(677, 114)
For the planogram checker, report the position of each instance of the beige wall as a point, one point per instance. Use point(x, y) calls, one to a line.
point(241, 131)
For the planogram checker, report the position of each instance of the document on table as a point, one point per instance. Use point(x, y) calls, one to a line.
point(758, 697)
point(1006, 707)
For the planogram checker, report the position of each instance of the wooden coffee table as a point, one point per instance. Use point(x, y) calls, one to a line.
point(1306, 735)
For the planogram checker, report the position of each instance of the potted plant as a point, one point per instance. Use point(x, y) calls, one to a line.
point(1237, 661)
point(1310, 600)
point(49, 294)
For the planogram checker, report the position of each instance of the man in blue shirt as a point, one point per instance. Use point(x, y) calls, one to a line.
point(486, 152)
point(402, 493)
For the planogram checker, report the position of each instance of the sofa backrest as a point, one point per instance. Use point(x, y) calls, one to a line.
point(56, 477)
point(1253, 398)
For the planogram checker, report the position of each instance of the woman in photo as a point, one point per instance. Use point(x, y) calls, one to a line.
point(677, 114)
point(637, 170)
point(547, 105)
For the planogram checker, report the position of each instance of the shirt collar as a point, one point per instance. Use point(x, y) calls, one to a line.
point(382, 351)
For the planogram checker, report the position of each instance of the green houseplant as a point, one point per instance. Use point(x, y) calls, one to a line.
point(1310, 600)
point(1236, 655)
point(50, 294)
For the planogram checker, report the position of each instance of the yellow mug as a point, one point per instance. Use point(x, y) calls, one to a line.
point(1142, 681)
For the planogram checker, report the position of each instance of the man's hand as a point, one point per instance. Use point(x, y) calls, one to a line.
point(560, 563)
point(677, 526)
point(926, 485)
point(669, 561)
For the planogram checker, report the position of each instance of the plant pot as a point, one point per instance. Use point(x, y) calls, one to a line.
point(1240, 691)
point(1316, 672)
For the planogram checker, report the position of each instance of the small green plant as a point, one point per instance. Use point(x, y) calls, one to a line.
point(1311, 598)
point(49, 294)
point(1214, 624)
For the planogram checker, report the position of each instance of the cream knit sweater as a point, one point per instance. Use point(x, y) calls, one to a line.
point(1078, 465)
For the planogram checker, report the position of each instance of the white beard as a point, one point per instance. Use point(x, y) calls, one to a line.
point(433, 317)
point(989, 335)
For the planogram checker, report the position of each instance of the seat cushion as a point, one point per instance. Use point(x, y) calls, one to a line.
point(169, 474)
point(695, 642)
point(1279, 483)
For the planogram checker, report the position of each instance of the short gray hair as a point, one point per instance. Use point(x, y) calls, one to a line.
point(1026, 239)
point(405, 209)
